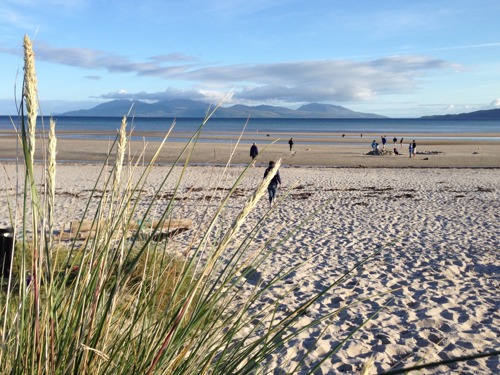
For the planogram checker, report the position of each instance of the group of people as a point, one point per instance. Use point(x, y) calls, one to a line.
point(276, 180)
point(411, 146)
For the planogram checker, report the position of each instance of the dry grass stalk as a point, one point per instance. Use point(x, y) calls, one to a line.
point(30, 98)
point(51, 173)
point(30, 93)
point(120, 154)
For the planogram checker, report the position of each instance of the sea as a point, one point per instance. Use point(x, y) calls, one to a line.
point(218, 129)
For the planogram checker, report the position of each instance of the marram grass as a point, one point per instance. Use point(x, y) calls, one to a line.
point(118, 305)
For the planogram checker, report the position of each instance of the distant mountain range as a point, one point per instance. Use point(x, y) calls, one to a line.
point(487, 114)
point(191, 108)
point(195, 109)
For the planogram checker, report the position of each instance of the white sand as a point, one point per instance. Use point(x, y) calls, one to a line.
point(438, 267)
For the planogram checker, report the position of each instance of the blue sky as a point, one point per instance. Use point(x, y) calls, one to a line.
point(392, 57)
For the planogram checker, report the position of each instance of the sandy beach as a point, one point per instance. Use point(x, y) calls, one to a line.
point(435, 231)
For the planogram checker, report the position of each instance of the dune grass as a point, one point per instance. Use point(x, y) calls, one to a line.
point(122, 302)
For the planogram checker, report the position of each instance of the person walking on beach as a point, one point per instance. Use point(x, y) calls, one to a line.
point(384, 141)
point(275, 182)
point(290, 142)
point(401, 142)
point(410, 148)
point(254, 151)
point(395, 140)
point(413, 147)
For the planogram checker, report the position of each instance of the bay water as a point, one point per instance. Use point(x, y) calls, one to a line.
point(219, 128)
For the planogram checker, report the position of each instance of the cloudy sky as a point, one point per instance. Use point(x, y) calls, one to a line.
point(391, 57)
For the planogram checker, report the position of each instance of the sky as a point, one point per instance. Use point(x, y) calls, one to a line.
point(390, 57)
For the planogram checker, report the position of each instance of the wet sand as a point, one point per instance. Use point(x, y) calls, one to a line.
point(314, 149)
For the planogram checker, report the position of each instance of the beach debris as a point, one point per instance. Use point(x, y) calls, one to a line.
point(87, 229)
point(429, 152)
point(380, 152)
point(405, 195)
point(360, 204)
point(488, 190)
point(303, 195)
point(7, 243)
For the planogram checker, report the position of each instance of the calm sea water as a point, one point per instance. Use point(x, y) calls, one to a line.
point(441, 128)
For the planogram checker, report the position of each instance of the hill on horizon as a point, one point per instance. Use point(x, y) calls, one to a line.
point(485, 114)
point(191, 108)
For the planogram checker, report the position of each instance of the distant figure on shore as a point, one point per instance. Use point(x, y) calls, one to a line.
point(384, 141)
point(290, 142)
point(414, 147)
point(401, 142)
point(395, 140)
point(375, 146)
point(275, 182)
point(410, 148)
point(343, 135)
point(361, 135)
point(254, 151)
point(396, 152)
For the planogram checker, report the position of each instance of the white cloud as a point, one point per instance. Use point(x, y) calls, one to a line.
point(495, 103)
point(286, 82)
point(168, 94)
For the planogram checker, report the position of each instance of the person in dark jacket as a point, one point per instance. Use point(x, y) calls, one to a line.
point(254, 151)
point(384, 141)
point(290, 142)
point(274, 184)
